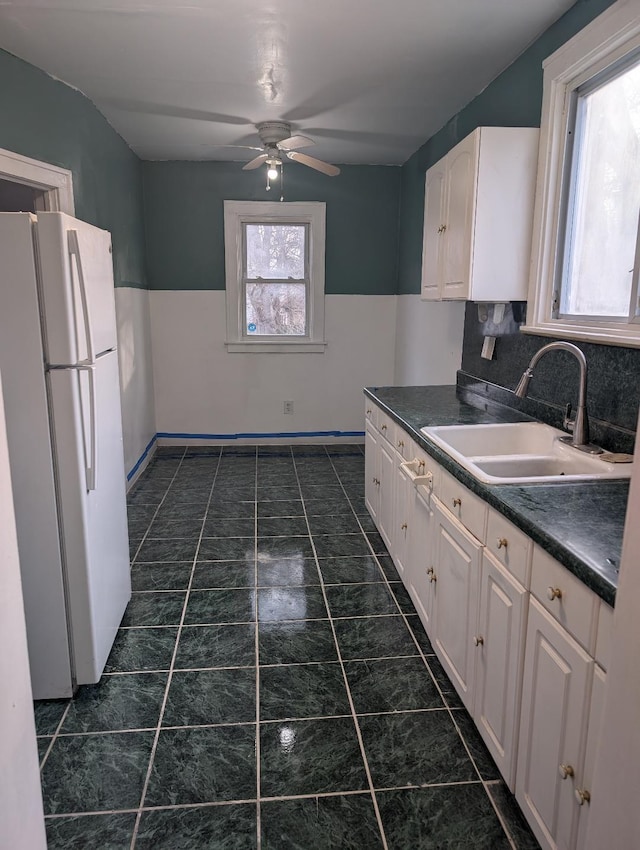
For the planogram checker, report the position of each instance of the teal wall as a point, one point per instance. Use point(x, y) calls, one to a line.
point(46, 120)
point(184, 221)
point(514, 99)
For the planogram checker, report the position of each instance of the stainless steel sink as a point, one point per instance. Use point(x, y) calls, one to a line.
point(521, 453)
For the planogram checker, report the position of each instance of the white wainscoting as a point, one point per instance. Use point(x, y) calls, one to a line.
point(428, 346)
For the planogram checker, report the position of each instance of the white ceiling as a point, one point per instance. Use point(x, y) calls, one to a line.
point(368, 80)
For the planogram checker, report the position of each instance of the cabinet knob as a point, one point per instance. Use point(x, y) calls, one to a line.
point(478, 640)
point(369, 412)
point(421, 464)
point(582, 796)
point(376, 481)
point(404, 526)
point(430, 571)
point(566, 770)
point(502, 542)
point(433, 577)
point(442, 228)
point(457, 503)
point(383, 427)
point(400, 444)
point(553, 593)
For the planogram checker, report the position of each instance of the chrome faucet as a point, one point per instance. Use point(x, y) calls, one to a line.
point(579, 426)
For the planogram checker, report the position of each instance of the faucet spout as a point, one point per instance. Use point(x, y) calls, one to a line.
point(580, 432)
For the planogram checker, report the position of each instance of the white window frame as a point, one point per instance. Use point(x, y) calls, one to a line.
point(608, 39)
point(238, 213)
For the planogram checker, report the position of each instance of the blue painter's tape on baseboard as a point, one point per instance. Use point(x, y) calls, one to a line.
point(258, 436)
point(142, 457)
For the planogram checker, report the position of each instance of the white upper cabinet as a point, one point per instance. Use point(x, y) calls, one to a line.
point(478, 217)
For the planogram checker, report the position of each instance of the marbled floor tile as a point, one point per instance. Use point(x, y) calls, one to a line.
point(92, 773)
point(302, 690)
point(137, 530)
point(513, 818)
point(227, 605)
point(48, 714)
point(216, 646)
point(218, 574)
point(291, 603)
point(291, 526)
point(350, 570)
point(107, 832)
point(203, 766)
point(377, 543)
point(231, 827)
point(270, 548)
point(211, 696)
point(167, 550)
point(419, 633)
point(367, 523)
point(310, 757)
point(284, 507)
point(154, 609)
point(139, 497)
point(451, 818)
point(360, 600)
point(479, 753)
point(222, 508)
point(388, 568)
point(345, 523)
point(333, 545)
point(296, 642)
point(169, 513)
point(140, 514)
point(230, 527)
point(287, 571)
point(134, 544)
point(374, 637)
point(321, 491)
point(359, 506)
point(161, 576)
point(420, 748)
point(130, 701)
point(321, 823)
point(327, 507)
point(400, 684)
point(444, 683)
point(199, 495)
point(276, 493)
point(402, 598)
point(43, 746)
point(226, 548)
point(142, 649)
point(183, 528)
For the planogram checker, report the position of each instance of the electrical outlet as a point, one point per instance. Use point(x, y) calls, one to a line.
point(288, 407)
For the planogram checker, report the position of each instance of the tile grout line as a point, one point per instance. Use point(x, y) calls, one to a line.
point(172, 664)
point(344, 674)
point(55, 736)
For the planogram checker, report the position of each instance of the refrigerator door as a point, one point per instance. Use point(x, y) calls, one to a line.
point(89, 464)
point(76, 279)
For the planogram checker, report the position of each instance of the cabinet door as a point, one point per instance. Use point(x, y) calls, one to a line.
point(460, 200)
point(596, 714)
point(372, 471)
point(457, 573)
point(557, 673)
point(402, 520)
point(433, 230)
point(501, 627)
point(387, 493)
point(420, 571)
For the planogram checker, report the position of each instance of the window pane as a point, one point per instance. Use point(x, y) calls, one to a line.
point(276, 309)
point(275, 251)
point(602, 227)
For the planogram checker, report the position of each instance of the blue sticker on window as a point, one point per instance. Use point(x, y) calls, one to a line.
point(252, 327)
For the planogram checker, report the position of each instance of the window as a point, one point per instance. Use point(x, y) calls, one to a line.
point(274, 276)
point(586, 251)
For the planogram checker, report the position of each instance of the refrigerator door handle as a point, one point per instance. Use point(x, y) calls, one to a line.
point(74, 251)
point(90, 467)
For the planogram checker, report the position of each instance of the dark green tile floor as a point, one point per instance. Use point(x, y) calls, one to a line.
point(271, 686)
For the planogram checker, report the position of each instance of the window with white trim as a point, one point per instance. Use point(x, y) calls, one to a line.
point(274, 265)
point(586, 245)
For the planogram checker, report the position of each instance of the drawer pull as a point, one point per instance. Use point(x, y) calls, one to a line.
point(565, 770)
point(553, 593)
point(404, 526)
point(582, 796)
point(502, 542)
point(478, 640)
point(383, 427)
point(430, 571)
point(369, 412)
point(457, 503)
point(433, 577)
point(400, 444)
point(376, 481)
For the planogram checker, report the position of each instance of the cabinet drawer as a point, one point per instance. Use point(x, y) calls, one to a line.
point(464, 505)
point(387, 428)
point(510, 546)
point(403, 444)
point(565, 597)
point(370, 412)
point(605, 632)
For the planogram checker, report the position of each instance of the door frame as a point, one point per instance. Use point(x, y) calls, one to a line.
point(56, 183)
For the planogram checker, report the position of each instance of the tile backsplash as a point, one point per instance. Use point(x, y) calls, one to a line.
point(613, 388)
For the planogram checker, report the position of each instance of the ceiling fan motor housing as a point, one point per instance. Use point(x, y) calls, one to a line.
point(272, 132)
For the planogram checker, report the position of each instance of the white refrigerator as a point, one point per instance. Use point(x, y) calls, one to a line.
point(58, 358)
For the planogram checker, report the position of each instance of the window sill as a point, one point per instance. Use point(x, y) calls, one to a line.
point(260, 347)
point(626, 336)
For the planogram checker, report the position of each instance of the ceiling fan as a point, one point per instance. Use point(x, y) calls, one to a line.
point(277, 142)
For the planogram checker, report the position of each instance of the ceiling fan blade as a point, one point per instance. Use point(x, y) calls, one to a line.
point(256, 163)
point(295, 142)
point(312, 162)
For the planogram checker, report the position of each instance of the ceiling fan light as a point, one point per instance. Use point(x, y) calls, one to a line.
point(272, 172)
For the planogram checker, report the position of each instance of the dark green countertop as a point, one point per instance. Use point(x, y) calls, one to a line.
point(580, 524)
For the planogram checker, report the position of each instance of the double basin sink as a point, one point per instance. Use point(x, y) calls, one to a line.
point(521, 453)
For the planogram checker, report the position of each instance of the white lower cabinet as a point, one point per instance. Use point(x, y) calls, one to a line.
point(420, 574)
point(372, 470)
point(387, 493)
point(404, 512)
point(555, 703)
